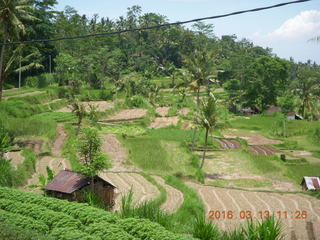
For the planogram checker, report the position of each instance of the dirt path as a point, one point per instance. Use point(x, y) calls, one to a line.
point(112, 147)
point(24, 94)
point(56, 163)
point(164, 122)
point(142, 189)
point(237, 201)
point(59, 141)
point(174, 196)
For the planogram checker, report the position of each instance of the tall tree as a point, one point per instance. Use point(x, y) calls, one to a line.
point(209, 118)
point(201, 65)
point(307, 86)
point(12, 14)
point(90, 153)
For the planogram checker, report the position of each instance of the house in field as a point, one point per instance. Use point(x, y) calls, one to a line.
point(71, 186)
point(272, 110)
point(310, 183)
point(294, 116)
point(249, 111)
point(137, 54)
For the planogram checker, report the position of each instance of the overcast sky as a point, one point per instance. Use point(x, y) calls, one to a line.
point(286, 30)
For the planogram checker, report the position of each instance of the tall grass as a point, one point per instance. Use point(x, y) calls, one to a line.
point(205, 230)
point(268, 229)
point(147, 210)
point(191, 207)
point(25, 170)
point(163, 193)
point(70, 148)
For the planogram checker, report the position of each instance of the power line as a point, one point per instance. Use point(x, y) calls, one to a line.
point(153, 27)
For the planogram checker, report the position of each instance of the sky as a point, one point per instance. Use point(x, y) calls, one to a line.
point(286, 30)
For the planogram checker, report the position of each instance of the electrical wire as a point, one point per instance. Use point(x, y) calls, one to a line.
point(153, 27)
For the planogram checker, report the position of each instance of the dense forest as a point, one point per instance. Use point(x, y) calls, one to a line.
point(253, 76)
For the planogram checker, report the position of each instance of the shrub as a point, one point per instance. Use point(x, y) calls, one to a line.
point(40, 81)
point(204, 230)
point(316, 135)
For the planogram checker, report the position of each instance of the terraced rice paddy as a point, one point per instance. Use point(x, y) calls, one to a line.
point(262, 150)
point(297, 212)
point(127, 115)
point(174, 196)
point(164, 122)
point(228, 143)
point(142, 189)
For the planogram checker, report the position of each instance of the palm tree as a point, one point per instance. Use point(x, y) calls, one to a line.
point(79, 110)
point(12, 13)
point(201, 65)
point(209, 118)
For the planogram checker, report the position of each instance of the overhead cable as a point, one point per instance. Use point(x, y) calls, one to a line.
point(153, 27)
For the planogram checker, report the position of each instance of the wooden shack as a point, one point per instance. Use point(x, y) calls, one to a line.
point(311, 183)
point(71, 186)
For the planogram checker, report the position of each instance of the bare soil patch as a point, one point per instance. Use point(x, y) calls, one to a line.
point(183, 111)
point(164, 122)
point(100, 105)
point(254, 140)
point(128, 114)
point(66, 109)
point(35, 145)
point(219, 199)
point(262, 150)
point(142, 189)
point(174, 196)
point(229, 143)
point(162, 111)
point(112, 147)
point(56, 163)
point(59, 141)
point(15, 157)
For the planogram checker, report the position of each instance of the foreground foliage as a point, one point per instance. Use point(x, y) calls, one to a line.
point(65, 220)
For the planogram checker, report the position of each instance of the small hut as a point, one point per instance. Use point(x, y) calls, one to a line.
point(294, 116)
point(71, 186)
point(310, 183)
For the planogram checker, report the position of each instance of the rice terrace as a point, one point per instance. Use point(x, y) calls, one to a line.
point(138, 128)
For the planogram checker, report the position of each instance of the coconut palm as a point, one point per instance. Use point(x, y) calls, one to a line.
point(80, 111)
point(201, 65)
point(209, 118)
point(12, 15)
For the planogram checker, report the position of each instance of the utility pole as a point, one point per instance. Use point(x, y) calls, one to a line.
point(50, 64)
point(20, 72)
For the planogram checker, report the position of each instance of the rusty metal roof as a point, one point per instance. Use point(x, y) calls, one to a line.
point(67, 182)
point(312, 183)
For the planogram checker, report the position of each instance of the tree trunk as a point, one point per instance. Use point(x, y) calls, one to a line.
point(1, 68)
point(205, 149)
point(195, 130)
point(194, 138)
